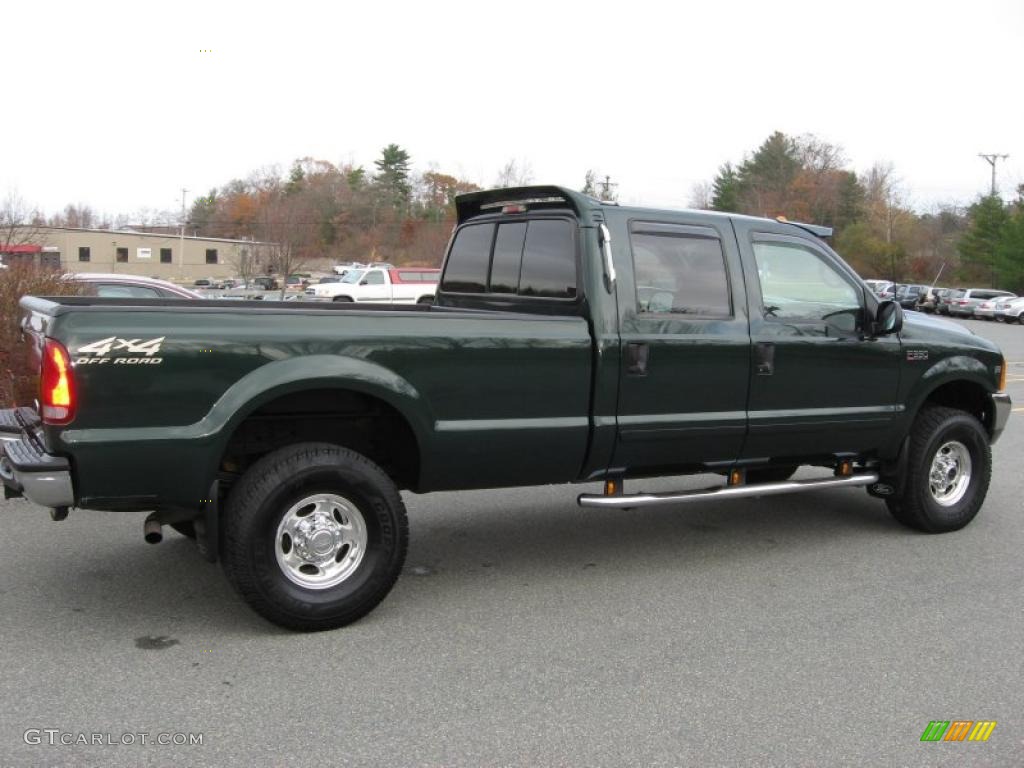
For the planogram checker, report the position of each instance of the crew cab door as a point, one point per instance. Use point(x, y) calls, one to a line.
point(685, 346)
point(819, 384)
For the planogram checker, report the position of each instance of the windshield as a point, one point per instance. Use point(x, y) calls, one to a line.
point(353, 276)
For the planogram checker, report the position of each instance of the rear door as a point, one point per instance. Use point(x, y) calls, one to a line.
point(685, 346)
point(818, 384)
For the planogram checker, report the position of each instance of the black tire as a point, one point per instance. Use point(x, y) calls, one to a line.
point(345, 299)
point(426, 300)
point(273, 487)
point(770, 474)
point(186, 528)
point(935, 428)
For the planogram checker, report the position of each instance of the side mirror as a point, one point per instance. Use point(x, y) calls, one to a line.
point(364, 282)
point(888, 318)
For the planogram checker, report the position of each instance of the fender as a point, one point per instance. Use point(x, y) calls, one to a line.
point(957, 368)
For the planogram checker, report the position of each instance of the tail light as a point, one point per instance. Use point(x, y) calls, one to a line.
point(58, 397)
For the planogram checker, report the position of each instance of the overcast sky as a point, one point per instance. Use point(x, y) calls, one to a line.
point(114, 104)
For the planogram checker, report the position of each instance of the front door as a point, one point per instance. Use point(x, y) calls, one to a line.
point(819, 384)
point(685, 347)
point(374, 287)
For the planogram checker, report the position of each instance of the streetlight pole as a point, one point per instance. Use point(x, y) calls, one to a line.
point(181, 248)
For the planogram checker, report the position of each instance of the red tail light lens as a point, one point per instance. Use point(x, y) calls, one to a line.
point(57, 395)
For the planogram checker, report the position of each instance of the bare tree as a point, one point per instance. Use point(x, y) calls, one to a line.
point(886, 200)
point(18, 225)
point(515, 173)
point(287, 238)
point(246, 263)
point(700, 196)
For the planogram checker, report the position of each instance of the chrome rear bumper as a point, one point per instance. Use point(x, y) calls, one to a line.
point(27, 470)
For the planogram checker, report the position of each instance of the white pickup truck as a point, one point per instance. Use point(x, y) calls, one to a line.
point(397, 285)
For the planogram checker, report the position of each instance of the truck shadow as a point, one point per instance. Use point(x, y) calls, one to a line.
point(540, 533)
point(545, 540)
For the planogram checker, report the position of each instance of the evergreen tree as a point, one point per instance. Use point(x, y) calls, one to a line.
point(393, 174)
point(767, 175)
point(977, 245)
point(1009, 254)
point(725, 190)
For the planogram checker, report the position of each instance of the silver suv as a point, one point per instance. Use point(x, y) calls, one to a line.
point(963, 306)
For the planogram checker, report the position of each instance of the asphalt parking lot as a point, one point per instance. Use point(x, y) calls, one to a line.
point(809, 630)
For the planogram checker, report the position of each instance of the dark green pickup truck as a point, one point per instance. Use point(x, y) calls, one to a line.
point(570, 341)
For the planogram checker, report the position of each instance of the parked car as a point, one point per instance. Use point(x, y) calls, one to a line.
point(907, 296)
point(330, 279)
point(121, 286)
point(964, 305)
point(1011, 310)
point(266, 283)
point(879, 287)
point(991, 309)
point(403, 285)
point(568, 343)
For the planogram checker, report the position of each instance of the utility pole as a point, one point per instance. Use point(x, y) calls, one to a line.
point(606, 188)
point(181, 249)
point(992, 159)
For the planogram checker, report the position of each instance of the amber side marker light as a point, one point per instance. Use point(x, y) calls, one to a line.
point(57, 393)
point(1002, 376)
point(610, 488)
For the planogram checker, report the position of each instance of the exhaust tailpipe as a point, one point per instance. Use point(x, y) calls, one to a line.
point(152, 530)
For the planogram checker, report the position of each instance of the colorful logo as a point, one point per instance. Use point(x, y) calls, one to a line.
point(958, 730)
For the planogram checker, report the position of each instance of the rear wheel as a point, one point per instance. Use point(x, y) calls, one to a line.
point(314, 536)
point(343, 299)
point(949, 466)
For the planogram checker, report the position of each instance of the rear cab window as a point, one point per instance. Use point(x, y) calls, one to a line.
point(533, 260)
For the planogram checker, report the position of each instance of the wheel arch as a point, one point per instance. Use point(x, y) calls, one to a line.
point(969, 393)
point(289, 392)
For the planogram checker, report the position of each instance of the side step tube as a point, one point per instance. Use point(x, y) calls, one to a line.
point(630, 501)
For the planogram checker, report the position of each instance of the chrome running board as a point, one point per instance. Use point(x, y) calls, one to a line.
point(630, 501)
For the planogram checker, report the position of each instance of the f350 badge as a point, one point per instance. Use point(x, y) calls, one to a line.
point(915, 355)
point(121, 352)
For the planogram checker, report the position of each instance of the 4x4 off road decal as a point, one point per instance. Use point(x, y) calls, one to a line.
point(121, 352)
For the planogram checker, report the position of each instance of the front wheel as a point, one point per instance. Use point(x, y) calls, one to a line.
point(314, 536)
point(948, 471)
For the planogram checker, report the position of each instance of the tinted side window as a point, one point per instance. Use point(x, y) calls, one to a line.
point(680, 275)
point(549, 260)
point(374, 278)
point(508, 257)
point(466, 270)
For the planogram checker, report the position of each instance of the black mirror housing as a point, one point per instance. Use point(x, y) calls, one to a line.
point(888, 318)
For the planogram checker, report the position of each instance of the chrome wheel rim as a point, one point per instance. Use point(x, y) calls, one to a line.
point(321, 540)
point(950, 474)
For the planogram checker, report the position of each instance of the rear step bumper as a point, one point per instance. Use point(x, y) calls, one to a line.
point(28, 470)
point(630, 501)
